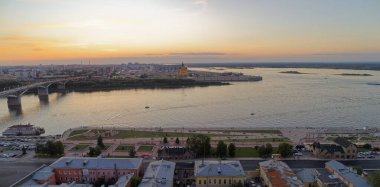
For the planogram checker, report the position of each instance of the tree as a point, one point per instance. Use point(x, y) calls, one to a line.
point(135, 181)
point(221, 149)
point(94, 152)
point(367, 146)
point(359, 170)
point(132, 152)
point(199, 144)
point(265, 151)
point(100, 142)
point(231, 150)
point(165, 140)
point(285, 150)
point(177, 140)
point(374, 178)
point(50, 148)
point(376, 149)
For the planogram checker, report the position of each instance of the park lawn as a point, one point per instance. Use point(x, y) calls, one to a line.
point(257, 140)
point(139, 134)
point(106, 147)
point(246, 152)
point(145, 148)
point(362, 149)
point(79, 147)
point(125, 148)
point(76, 132)
point(252, 131)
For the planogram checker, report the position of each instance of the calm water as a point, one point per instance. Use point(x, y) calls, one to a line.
point(316, 100)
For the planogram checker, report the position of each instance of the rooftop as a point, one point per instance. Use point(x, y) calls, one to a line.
point(218, 168)
point(347, 174)
point(158, 174)
point(97, 163)
point(122, 181)
point(280, 174)
point(342, 141)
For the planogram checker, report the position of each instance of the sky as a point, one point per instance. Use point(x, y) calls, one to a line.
point(194, 31)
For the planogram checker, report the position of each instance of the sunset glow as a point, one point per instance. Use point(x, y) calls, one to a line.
point(160, 31)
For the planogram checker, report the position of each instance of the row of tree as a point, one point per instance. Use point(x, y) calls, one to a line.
point(51, 149)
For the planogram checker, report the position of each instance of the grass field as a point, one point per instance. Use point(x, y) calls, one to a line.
point(252, 131)
point(79, 147)
point(124, 148)
point(136, 134)
point(145, 148)
point(257, 140)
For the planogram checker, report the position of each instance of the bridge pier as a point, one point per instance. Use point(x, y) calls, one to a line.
point(43, 93)
point(14, 101)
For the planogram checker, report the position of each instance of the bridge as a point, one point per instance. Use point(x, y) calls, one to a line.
point(14, 95)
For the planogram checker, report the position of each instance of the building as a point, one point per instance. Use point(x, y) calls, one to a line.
point(89, 170)
point(182, 71)
point(175, 152)
point(159, 174)
point(275, 173)
point(86, 171)
point(320, 177)
point(218, 173)
point(346, 174)
point(340, 149)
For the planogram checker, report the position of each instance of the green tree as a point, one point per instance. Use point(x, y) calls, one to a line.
point(285, 150)
point(367, 146)
point(359, 170)
point(265, 150)
point(231, 150)
point(94, 152)
point(199, 144)
point(135, 181)
point(100, 142)
point(268, 149)
point(132, 152)
point(221, 149)
point(177, 140)
point(374, 179)
point(165, 140)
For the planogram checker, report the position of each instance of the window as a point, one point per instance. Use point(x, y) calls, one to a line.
point(200, 182)
point(205, 181)
point(220, 181)
point(225, 181)
point(214, 181)
point(229, 181)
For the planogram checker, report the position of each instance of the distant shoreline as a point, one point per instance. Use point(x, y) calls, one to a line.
point(355, 74)
point(292, 72)
point(375, 66)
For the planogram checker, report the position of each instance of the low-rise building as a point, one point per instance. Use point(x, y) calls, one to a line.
point(218, 173)
point(340, 149)
point(346, 174)
point(159, 174)
point(320, 177)
point(86, 171)
point(276, 173)
point(175, 152)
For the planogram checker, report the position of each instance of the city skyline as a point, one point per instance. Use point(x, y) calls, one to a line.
point(194, 31)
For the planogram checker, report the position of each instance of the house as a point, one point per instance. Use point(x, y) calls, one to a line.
point(346, 174)
point(70, 171)
point(218, 173)
point(159, 174)
point(340, 149)
point(175, 152)
point(276, 173)
point(320, 177)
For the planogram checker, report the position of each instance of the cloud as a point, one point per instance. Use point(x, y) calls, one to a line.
point(200, 2)
point(199, 53)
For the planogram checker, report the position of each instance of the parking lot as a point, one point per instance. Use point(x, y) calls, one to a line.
point(13, 146)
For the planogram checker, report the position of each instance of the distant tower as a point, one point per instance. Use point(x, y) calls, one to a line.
point(183, 71)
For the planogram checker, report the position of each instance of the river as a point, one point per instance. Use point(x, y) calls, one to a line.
point(318, 99)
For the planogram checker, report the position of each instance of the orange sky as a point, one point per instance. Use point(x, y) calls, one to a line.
point(34, 31)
